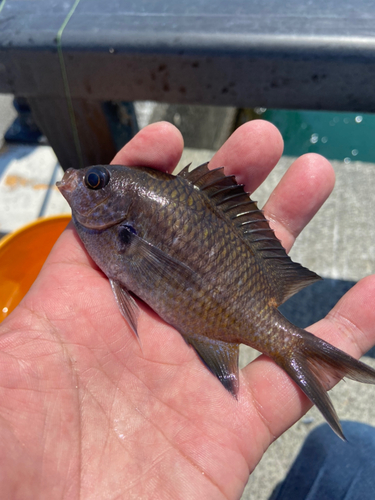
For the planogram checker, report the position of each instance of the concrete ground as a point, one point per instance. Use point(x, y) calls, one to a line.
point(339, 244)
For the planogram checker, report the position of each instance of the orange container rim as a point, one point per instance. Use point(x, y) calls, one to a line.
point(13, 234)
point(22, 255)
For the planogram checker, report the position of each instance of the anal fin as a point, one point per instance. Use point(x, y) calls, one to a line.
point(221, 358)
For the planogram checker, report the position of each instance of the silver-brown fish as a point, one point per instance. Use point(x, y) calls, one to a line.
point(201, 254)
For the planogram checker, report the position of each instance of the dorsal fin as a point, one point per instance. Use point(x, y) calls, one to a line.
point(286, 277)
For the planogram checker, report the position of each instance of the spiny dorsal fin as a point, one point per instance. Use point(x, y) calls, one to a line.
point(186, 173)
point(286, 276)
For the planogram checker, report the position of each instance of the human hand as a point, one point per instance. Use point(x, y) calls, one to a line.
point(86, 413)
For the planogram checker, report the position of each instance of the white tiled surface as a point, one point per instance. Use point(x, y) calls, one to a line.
point(27, 178)
point(27, 185)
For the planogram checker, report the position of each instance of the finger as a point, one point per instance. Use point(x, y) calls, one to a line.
point(158, 145)
point(298, 196)
point(250, 153)
point(349, 326)
point(69, 249)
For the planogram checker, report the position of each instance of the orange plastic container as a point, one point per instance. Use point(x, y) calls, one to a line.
point(22, 255)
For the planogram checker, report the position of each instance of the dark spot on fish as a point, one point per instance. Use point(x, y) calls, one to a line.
point(126, 233)
point(162, 67)
point(195, 64)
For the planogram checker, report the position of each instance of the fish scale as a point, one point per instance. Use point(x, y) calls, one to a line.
point(199, 252)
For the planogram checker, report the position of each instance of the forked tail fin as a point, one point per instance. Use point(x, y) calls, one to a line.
point(315, 364)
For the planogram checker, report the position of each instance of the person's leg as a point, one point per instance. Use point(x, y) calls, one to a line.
point(328, 468)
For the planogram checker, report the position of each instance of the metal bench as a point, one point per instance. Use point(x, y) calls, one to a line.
point(244, 53)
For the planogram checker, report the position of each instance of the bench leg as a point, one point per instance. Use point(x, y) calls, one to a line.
point(96, 145)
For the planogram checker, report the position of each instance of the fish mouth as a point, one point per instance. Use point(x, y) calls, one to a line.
point(69, 182)
point(67, 186)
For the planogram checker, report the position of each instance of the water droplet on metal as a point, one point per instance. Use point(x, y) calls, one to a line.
point(358, 119)
point(314, 138)
point(346, 120)
point(324, 139)
point(347, 160)
point(177, 119)
point(354, 152)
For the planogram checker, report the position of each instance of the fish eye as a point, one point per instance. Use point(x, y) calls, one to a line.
point(97, 177)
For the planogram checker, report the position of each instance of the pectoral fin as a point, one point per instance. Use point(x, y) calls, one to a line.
point(221, 358)
point(127, 305)
point(155, 262)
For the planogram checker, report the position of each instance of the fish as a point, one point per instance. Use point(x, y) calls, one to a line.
point(197, 249)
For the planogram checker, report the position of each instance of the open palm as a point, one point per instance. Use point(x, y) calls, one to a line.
point(88, 412)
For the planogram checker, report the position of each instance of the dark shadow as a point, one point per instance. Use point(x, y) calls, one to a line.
point(314, 302)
